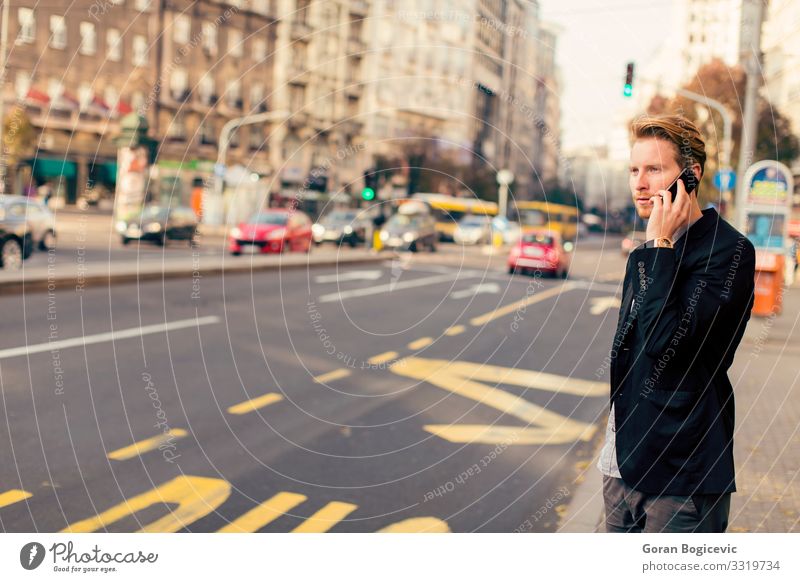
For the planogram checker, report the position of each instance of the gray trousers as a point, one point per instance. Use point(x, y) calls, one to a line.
point(631, 511)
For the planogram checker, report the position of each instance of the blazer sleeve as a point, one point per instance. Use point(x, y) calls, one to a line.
point(677, 313)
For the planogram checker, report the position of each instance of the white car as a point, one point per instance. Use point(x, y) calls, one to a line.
point(473, 230)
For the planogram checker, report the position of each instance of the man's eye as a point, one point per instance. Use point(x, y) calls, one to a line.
point(655, 170)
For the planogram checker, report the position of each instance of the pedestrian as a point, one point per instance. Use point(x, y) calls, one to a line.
point(667, 462)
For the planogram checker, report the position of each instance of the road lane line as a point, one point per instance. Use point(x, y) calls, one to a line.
point(265, 513)
point(454, 330)
point(420, 343)
point(326, 518)
point(106, 337)
point(383, 358)
point(146, 445)
point(388, 287)
point(335, 375)
point(195, 497)
point(13, 496)
point(417, 525)
point(521, 304)
point(255, 403)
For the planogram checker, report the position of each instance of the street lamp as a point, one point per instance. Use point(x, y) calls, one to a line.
point(215, 215)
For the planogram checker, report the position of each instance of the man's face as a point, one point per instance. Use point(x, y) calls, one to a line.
point(653, 167)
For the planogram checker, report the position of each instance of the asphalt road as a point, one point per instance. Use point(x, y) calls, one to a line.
point(410, 395)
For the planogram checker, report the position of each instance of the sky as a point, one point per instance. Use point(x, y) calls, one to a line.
point(597, 39)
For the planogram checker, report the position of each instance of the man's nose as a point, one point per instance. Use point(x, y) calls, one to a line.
point(641, 183)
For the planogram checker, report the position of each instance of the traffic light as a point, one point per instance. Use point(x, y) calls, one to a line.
point(628, 89)
point(370, 184)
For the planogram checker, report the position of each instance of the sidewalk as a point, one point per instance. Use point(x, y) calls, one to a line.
point(766, 380)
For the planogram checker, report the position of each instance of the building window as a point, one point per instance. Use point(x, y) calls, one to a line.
point(111, 97)
point(84, 96)
point(206, 89)
point(22, 84)
point(210, 39)
point(179, 84)
point(88, 38)
point(176, 130)
point(256, 138)
point(182, 29)
point(27, 25)
point(54, 89)
point(257, 102)
point(139, 51)
point(207, 134)
point(114, 45)
point(138, 102)
point(233, 94)
point(235, 43)
point(58, 32)
point(259, 49)
point(297, 97)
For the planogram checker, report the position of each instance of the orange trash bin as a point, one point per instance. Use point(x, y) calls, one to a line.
point(769, 284)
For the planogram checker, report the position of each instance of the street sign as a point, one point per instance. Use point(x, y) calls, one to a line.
point(725, 180)
point(219, 170)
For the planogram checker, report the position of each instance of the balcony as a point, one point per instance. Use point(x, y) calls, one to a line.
point(297, 74)
point(356, 46)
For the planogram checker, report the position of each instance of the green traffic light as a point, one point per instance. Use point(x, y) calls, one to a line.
point(628, 91)
point(368, 194)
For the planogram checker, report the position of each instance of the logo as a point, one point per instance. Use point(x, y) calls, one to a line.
point(31, 555)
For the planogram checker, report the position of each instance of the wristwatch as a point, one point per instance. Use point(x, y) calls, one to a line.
point(663, 242)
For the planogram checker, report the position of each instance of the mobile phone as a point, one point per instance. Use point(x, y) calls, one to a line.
point(689, 182)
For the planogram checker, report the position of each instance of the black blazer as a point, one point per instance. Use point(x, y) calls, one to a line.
point(683, 314)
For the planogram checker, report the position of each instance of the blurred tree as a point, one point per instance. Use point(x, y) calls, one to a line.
point(774, 139)
point(18, 140)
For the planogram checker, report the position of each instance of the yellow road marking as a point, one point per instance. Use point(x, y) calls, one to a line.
point(454, 330)
point(521, 304)
point(462, 378)
point(417, 525)
point(420, 343)
point(326, 518)
point(195, 497)
point(383, 358)
point(146, 445)
point(601, 304)
point(13, 496)
point(335, 375)
point(255, 403)
point(264, 514)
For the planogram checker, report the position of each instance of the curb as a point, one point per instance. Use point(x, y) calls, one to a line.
point(101, 275)
point(586, 511)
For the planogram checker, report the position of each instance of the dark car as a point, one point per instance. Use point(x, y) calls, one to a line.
point(31, 221)
point(411, 228)
point(277, 230)
point(159, 224)
point(340, 227)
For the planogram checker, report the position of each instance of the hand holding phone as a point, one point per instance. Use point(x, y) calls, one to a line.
point(689, 182)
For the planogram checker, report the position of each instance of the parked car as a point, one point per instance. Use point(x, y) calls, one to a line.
point(276, 230)
point(12, 243)
point(159, 224)
point(473, 230)
point(411, 228)
point(341, 226)
point(31, 220)
point(542, 251)
point(632, 240)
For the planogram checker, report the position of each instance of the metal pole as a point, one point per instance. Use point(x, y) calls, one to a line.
point(752, 33)
point(224, 141)
point(3, 52)
point(727, 132)
point(502, 197)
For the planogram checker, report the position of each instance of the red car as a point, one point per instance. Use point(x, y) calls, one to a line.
point(540, 251)
point(276, 230)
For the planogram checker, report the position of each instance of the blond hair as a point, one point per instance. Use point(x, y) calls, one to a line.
point(679, 131)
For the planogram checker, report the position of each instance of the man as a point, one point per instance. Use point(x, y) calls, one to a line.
point(687, 295)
